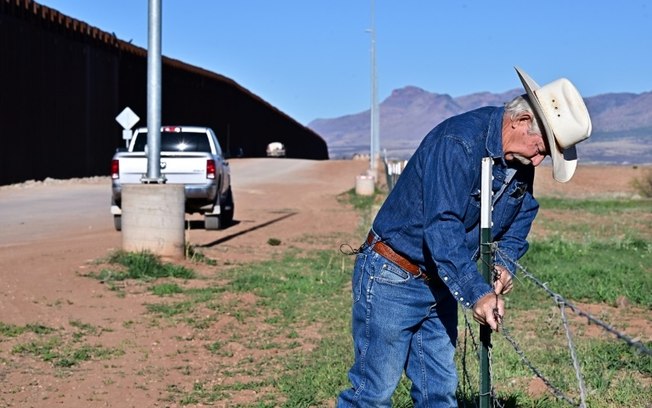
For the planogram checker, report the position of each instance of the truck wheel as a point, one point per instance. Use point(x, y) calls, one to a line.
point(117, 222)
point(227, 209)
point(211, 222)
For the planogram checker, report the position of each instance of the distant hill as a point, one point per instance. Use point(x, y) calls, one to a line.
point(622, 124)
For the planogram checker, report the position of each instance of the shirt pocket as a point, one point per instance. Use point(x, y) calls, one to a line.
point(508, 206)
point(516, 192)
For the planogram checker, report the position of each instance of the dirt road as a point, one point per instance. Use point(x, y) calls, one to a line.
point(49, 229)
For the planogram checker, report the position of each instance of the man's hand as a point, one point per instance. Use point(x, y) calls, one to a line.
point(489, 310)
point(503, 283)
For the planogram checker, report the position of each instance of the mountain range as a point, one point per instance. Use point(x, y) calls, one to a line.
point(622, 124)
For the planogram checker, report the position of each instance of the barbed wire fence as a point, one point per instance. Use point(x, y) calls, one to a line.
point(469, 342)
point(468, 386)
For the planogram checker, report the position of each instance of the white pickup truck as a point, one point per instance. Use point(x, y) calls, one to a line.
point(191, 156)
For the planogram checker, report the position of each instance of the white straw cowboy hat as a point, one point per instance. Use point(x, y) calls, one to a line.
point(565, 120)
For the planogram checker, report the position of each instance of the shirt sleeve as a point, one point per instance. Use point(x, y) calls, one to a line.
point(513, 244)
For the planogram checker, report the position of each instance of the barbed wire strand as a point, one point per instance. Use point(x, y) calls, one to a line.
point(492, 390)
point(571, 347)
point(469, 332)
point(505, 332)
point(558, 298)
point(556, 391)
point(562, 303)
point(466, 378)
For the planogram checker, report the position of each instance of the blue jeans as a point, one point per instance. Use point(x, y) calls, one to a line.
point(400, 323)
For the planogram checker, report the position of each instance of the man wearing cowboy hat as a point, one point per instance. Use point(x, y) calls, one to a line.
point(419, 259)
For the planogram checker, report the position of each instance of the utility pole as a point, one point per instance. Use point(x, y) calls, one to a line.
point(374, 145)
point(154, 94)
point(153, 211)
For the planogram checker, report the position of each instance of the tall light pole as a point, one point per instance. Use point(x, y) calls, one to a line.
point(374, 145)
point(153, 212)
point(154, 93)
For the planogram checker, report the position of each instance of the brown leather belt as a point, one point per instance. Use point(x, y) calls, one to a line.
point(386, 251)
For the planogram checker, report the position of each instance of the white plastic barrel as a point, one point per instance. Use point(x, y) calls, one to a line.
point(364, 185)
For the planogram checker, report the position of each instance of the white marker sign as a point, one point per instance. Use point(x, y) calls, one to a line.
point(127, 119)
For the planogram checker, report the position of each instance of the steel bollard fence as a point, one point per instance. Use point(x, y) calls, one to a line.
point(393, 169)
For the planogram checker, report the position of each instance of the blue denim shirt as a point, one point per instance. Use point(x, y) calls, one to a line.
point(432, 215)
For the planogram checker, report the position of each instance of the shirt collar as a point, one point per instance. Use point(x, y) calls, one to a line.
point(494, 144)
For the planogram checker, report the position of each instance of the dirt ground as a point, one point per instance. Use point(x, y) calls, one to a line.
point(42, 281)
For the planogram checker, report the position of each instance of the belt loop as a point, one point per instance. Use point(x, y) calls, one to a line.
point(372, 238)
point(376, 237)
point(368, 242)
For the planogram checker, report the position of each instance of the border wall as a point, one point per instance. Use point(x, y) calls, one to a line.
point(63, 82)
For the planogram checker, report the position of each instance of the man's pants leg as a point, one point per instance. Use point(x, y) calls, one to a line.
point(389, 306)
point(431, 361)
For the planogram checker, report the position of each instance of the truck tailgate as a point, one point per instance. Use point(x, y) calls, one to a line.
point(185, 168)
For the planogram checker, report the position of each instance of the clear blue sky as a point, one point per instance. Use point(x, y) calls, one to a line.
point(311, 58)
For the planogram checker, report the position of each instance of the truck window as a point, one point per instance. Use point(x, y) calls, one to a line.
point(176, 142)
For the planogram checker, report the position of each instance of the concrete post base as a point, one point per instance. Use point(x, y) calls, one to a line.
point(153, 219)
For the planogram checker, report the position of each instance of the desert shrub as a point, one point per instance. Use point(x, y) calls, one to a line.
point(643, 184)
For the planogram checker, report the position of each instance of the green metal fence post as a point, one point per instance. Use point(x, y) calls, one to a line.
point(487, 262)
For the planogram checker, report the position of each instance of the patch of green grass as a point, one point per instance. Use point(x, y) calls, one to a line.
point(143, 265)
point(643, 184)
point(45, 349)
point(12, 330)
point(188, 304)
point(361, 202)
point(61, 354)
point(292, 283)
point(166, 289)
point(215, 347)
point(84, 328)
point(607, 271)
point(171, 309)
point(596, 206)
point(196, 256)
point(327, 367)
point(200, 393)
point(298, 290)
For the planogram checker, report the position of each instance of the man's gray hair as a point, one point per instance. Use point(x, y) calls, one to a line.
point(519, 105)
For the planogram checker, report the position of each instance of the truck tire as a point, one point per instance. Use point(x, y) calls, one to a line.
point(211, 222)
point(227, 208)
point(117, 222)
